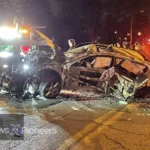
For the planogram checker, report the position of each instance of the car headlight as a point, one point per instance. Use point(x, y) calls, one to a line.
point(5, 54)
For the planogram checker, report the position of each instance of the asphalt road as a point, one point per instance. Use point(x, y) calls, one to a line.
point(85, 124)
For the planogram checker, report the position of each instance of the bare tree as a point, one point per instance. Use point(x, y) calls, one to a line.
point(16, 5)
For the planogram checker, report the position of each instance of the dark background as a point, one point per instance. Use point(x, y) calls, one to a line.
point(83, 20)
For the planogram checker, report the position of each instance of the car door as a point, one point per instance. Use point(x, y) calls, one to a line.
point(87, 71)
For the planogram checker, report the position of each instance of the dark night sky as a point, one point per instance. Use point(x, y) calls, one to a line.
point(36, 12)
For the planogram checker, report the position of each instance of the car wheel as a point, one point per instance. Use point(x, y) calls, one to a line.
point(52, 88)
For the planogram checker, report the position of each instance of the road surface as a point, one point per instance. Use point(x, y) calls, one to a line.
point(96, 124)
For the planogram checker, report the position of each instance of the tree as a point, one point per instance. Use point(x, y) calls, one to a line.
point(117, 16)
point(12, 4)
point(32, 10)
point(78, 16)
point(90, 17)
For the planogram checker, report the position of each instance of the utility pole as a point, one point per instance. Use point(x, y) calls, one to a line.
point(131, 28)
point(131, 31)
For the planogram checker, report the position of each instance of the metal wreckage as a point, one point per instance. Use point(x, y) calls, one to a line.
point(105, 69)
point(109, 70)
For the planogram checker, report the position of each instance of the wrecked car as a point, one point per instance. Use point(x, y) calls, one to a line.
point(85, 48)
point(106, 72)
point(27, 72)
point(91, 48)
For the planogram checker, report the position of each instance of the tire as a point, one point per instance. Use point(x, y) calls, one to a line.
point(51, 88)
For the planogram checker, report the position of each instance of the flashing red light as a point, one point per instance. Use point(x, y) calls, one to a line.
point(25, 49)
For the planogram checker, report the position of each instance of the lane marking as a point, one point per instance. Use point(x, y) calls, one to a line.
point(86, 130)
point(87, 134)
point(88, 140)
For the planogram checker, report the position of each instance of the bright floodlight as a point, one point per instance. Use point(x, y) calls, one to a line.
point(5, 66)
point(5, 54)
point(7, 33)
point(26, 67)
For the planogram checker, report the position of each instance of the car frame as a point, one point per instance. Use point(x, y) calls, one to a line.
point(73, 72)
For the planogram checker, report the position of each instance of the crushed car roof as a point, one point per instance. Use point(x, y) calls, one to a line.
point(107, 53)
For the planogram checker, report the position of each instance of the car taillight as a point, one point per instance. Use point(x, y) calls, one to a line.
point(25, 49)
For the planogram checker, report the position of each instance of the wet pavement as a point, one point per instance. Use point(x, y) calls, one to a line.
point(77, 121)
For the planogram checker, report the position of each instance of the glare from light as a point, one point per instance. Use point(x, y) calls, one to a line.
point(116, 32)
point(5, 54)
point(8, 33)
point(5, 66)
point(22, 54)
point(139, 33)
point(142, 11)
point(19, 35)
point(128, 34)
point(26, 67)
point(24, 31)
point(125, 38)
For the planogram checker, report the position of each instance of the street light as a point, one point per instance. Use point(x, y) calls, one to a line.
point(131, 31)
point(116, 32)
point(131, 27)
point(139, 33)
point(128, 34)
point(142, 11)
